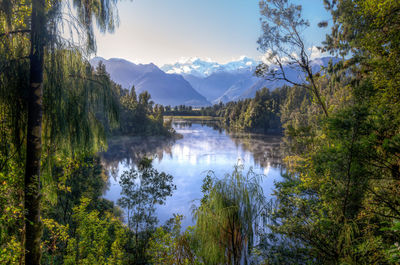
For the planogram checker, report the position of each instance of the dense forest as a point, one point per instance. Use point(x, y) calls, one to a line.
point(338, 202)
point(259, 114)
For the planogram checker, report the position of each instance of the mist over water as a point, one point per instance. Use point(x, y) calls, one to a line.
point(204, 147)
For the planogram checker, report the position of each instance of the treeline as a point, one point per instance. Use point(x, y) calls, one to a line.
point(139, 115)
point(259, 114)
point(183, 110)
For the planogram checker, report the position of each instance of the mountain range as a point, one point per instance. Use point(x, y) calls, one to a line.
point(203, 68)
point(197, 82)
point(165, 89)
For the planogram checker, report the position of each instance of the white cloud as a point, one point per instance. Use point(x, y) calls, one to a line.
point(268, 57)
point(316, 53)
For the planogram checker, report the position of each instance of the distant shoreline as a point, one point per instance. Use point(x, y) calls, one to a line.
point(203, 118)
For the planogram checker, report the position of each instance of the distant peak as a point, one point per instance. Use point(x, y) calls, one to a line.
point(204, 67)
point(191, 60)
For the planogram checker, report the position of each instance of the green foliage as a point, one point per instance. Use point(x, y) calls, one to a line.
point(98, 240)
point(11, 252)
point(228, 217)
point(260, 114)
point(283, 44)
point(338, 202)
point(142, 189)
point(55, 237)
point(11, 213)
point(172, 247)
point(75, 178)
point(139, 117)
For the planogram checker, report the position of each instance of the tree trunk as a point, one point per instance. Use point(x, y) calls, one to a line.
point(316, 91)
point(33, 224)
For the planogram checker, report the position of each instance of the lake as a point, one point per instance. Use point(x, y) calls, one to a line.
point(202, 147)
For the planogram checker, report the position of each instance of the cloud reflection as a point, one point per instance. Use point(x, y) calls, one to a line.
point(202, 148)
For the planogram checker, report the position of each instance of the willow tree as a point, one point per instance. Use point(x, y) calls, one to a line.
point(228, 217)
point(32, 41)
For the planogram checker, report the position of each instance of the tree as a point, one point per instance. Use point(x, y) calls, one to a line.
point(338, 202)
point(145, 102)
point(41, 21)
point(94, 236)
point(228, 217)
point(142, 190)
point(33, 224)
point(171, 246)
point(282, 25)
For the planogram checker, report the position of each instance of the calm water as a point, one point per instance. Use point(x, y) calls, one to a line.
point(202, 148)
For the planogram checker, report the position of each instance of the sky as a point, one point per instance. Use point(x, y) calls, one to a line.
point(166, 31)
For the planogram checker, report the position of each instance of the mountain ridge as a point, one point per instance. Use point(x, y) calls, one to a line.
point(165, 89)
point(203, 68)
point(198, 82)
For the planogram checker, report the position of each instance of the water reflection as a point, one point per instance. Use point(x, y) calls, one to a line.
point(183, 124)
point(130, 150)
point(264, 148)
point(204, 146)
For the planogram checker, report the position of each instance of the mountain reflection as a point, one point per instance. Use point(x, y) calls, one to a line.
point(130, 150)
point(203, 146)
point(265, 149)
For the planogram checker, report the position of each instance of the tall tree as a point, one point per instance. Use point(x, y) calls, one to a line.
point(142, 190)
point(33, 225)
point(284, 46)
point(338, 202)
point(40, 37)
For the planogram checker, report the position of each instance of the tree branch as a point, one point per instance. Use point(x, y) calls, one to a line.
point(21, 31)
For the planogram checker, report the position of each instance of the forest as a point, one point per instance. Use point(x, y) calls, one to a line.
point(338, 202)
point(260, 114)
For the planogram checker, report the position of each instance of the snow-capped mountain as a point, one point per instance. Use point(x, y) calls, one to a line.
point(204, 68)
point(198, 82)
point(165, 89)
point(216, 84)
point(247, 88)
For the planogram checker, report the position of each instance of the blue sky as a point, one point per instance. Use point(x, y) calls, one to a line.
point(164, 31)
